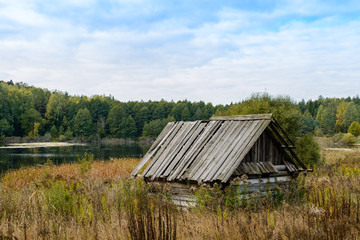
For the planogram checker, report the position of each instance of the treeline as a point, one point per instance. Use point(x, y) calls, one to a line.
point(27, 111)
point(327, 116)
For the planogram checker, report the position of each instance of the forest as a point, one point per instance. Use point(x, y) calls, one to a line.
point(32, 112)
point(27, 111)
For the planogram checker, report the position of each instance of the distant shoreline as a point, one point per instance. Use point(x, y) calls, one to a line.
point(17, 142)
point(39, 145)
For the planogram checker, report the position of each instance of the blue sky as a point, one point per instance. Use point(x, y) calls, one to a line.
point(216, 51)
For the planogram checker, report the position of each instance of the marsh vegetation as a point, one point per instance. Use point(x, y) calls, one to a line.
point(97, 200)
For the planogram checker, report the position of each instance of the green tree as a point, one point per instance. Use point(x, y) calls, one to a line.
point(354, 129)
point(340, 116)
point(83, 123)
point(116, 121)
point(284, 109)
point(55, 108)
point(330, 118)
point(153, 128)
point(348, 138)
point(19, 100)
point(185, 114)
point(99, 108)
point(351, 114)
point(4, 126)
point(320, 117)
point(28, 119)
point(130, 127)
point(308, 150)
point(54, 132)
point(41, 98)
point(308, 123)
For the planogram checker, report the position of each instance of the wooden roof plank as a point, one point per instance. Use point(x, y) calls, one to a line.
point(155, 146)
point(245, 167)
point(209, 149)
point(198, 159)
point(241, 170)
point(226, 172)
point(242, 128)
point(252, 170)
point(226, 138)
point(183, 148)
point(262, 169)
point(163, 133)
point(271, 167)
point(159, 154)
point(167, 156)
point(195, 149)
point(238, 146)
point(168, 161)
point(256, 168)
point(264, 166)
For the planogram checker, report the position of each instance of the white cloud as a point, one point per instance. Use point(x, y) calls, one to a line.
point(219, 61)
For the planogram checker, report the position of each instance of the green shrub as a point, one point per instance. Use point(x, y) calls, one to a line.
point(354, 129)
point(60, 199)
point(85, 161)
point(348, 138)
point(337, 137)
point(308, 150)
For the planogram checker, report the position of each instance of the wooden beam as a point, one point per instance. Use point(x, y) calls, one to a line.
point(243, 117)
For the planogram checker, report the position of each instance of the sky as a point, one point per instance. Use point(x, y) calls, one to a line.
point(214, 51)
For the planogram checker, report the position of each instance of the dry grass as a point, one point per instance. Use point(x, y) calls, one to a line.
point(100, 170)
point(64, 202)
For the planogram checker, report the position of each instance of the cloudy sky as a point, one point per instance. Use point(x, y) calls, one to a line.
point(216, 51)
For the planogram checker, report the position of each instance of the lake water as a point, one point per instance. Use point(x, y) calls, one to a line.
point(12, 157)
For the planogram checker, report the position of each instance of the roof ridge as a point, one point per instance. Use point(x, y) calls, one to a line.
point(268, 116)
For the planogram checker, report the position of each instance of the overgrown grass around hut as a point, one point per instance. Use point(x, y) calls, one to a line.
point(98, 200)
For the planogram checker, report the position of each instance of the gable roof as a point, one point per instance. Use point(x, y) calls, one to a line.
point(207, 151)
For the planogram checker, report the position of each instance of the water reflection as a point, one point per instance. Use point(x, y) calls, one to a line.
point(11, 158)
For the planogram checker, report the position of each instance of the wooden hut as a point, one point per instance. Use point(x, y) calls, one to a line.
point(219, 150)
